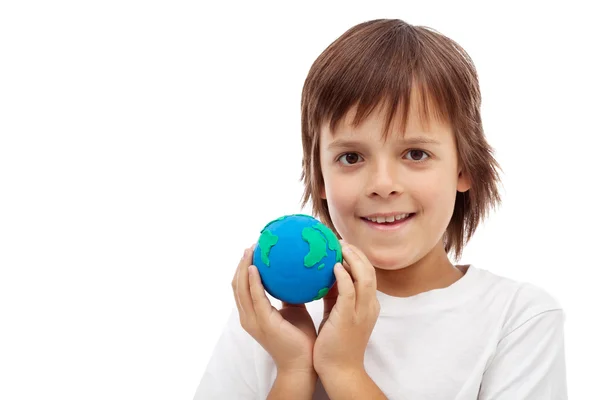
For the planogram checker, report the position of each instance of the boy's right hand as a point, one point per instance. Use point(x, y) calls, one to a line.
point(288, 335)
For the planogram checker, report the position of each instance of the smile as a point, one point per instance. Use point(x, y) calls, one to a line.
point(389, 218)
point(388, 222)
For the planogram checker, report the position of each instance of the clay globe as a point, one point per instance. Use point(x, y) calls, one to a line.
point(295, 256)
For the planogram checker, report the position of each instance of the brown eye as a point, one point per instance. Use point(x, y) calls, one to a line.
point(418, 155)
point(349, 158)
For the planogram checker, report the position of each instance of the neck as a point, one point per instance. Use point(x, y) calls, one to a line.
point(434, 271)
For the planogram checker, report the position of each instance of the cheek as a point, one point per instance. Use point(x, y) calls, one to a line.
point(437, 192)
point(341, 195)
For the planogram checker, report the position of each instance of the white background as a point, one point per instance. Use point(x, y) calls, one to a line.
point(134, 137)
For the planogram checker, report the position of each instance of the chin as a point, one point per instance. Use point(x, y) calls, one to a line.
point(389, 260)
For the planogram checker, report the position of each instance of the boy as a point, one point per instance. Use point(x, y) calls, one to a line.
point(396, 163)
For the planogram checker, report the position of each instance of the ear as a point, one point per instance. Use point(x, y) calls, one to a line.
point(464, 183)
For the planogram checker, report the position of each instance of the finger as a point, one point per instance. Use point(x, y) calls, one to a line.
point(348, 269)
point(234, 285)
point(346, 298)
point(359, 253)
point(370, 270)
point(363, 273)
point(262, 305)
point(235, 295)
point(243, 285)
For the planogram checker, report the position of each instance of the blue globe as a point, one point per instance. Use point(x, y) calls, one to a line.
point(295, 256)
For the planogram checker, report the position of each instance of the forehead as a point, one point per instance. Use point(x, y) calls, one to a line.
point(422, 121)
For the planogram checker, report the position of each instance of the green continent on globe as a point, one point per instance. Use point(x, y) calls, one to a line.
point(333, 242)
point(322, 293)
point(272, 222)
point(282, 218)
point(317, 246)
point(265, 242)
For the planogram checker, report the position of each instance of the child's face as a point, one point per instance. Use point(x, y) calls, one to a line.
point(365, 175)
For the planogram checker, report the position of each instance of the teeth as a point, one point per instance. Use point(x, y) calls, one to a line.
point(391, 218)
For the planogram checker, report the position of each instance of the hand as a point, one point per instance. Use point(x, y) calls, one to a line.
point(350, 318)
point(288, 335)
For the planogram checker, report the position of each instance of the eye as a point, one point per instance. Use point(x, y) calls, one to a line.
point(349, 158)
point(417, 155)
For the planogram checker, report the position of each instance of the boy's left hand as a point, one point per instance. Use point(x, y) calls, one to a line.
point(351, 310)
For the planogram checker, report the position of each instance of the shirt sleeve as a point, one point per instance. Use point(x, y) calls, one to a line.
point(530, 362)
point(230, 372)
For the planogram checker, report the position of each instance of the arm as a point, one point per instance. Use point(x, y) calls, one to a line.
point(349, 385)
point(289, 386)
point(529, 362)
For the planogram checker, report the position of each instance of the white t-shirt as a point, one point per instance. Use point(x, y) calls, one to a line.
point(483, 337)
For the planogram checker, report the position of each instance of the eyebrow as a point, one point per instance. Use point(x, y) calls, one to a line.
point(414, 141)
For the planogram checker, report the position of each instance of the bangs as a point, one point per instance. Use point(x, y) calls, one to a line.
point(417, 103)
point(376, 65)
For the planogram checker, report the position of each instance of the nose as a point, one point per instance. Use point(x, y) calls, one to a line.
point(385, 179)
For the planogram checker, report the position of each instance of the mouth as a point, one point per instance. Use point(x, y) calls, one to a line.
point(387, 221)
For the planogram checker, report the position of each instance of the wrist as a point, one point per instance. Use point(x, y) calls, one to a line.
point(338, 373)
point(307, 375)
point(294, 385)
point(346, 383)
point(337, 369)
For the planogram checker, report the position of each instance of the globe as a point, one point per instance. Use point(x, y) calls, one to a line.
point(295, 256)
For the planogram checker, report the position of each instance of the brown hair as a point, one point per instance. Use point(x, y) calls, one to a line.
point(379, 62)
